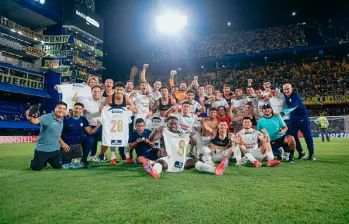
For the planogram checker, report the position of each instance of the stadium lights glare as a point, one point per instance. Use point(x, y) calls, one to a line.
point(19, 32)
point(293, 13)
point(228, 23)
point(171, 22)
point(13, 30)
point(202, 66)
point(35, 38)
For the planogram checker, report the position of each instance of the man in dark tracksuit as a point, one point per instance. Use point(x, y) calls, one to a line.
point(299, 120)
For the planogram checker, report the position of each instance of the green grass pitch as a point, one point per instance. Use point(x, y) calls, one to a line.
point(305, 192)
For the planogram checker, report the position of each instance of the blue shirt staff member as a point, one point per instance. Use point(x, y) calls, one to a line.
point(47, 148)
point(299, 120)
point(72, 137)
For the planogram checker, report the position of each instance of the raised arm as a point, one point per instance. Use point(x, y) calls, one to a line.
point(145, 66)
point(33, 120)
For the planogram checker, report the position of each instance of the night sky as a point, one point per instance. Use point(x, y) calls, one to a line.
point(130, 24)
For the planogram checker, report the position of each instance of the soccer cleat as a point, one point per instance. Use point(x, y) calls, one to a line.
point(191, 155)
point(302, 155)
point(129, 160)
point(273, 163)
point(113, 161)
point(67, 166)
point(87, 165)
point(101, 158)
point(221, 167)
point(77, 160)
point(77, 166)
point(311, 157)
point(291, 158)
point(150, 170)
point(257, 164)
point(93, 159)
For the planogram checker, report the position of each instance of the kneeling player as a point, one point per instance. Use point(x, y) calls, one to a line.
point(247, 141)
point(175, 143)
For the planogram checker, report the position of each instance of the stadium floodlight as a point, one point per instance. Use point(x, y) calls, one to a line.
point(229, 23)
point(202, 66)
point(171, 22)
point(293, 13)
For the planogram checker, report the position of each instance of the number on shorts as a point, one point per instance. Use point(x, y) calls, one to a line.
point(118, 125)
point(181, 147)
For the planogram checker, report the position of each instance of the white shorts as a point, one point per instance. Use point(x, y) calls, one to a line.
point(206, 141)
point(256, 153)
point(218, 154)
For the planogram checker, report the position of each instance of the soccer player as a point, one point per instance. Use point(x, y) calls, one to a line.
point(108, 88)
point(142, 103)
point(154, 92)
point(248, 112)
point(209, 91)
point(212, 124)
point(72, 137)
point(174, 160)
point(165, 103)
point(253, 144)
point(251, 96)
point(200, 98)
point(276, 129)
point(222, 115)
point(47, 148)
point(217, 100)
point(299, 120)
point(92, 105)
point(238, 103)
point(139, 140)
point(323, 124)
point(186, 120)
point(261, 101)
point(227, 94)
point(118, 100)
point(195, 107)
point(220, 144)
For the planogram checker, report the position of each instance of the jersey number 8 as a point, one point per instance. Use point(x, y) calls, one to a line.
point(117, 125)
point(181, 147)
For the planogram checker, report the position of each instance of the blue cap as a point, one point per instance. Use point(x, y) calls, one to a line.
point(266, 106)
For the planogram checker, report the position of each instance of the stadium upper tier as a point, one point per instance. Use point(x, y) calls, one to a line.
point(251, 41)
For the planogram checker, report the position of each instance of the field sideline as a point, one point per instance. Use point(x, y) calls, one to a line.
point(306, 192)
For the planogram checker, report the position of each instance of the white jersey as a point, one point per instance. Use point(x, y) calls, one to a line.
point(217, 103)
point(186, 123)
point(91, 108)
point(115, 126)
point(71, 91)
point(176, 145)
point(250, 138)
point(278, 103)
point(260, 105)
point(194, 106)
point(239, 104)
point(142, 102)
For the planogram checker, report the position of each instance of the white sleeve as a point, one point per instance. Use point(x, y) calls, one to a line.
point(198, 106)
point(62, 88)
point(225, 103)
point(150, 88)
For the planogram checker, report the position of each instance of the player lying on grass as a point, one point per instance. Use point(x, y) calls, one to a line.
point(71, 138)
point(253, 144)
point(276, 129)
point(47, 148)
point(173, 145)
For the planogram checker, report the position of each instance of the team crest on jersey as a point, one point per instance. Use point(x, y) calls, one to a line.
point(116, 142)
point(117, 110)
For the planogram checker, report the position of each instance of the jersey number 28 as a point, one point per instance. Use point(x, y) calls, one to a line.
point(118, 125)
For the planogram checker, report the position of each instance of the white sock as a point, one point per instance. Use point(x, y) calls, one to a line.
point(198, 151)
point(204, 167)
point(152, 162)
point(270, 155)
point(127, 152)
point(113, 152)
point(158, 167)
point(250, 157)
point(237, 153)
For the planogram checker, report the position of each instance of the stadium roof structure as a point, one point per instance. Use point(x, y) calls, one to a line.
point(23, 90)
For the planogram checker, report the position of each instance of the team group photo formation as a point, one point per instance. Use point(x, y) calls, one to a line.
point(174, 111)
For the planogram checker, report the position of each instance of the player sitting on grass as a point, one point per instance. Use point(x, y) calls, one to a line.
point(276, 128)
point(174, 143)
point(247, 141)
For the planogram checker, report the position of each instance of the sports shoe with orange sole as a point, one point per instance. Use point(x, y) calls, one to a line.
point(149, 169)
point(221, 167)
point(257, 164)
point(273, 163)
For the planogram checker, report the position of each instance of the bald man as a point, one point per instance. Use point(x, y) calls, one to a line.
point(299, 120)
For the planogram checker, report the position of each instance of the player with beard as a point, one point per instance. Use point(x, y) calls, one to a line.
point(276, 129)
point(207, 123)
point(182, 92)
point(227, 94)
point(163, 162)
point(251, 96)
point(261, 101)
point(253, 144)
point(129, 88)
point(238, 104)
point(118, 100)
point(142, 103)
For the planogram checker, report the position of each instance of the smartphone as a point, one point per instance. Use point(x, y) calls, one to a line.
point(34, 111)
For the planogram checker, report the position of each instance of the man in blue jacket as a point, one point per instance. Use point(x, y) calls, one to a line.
point(299, 120)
